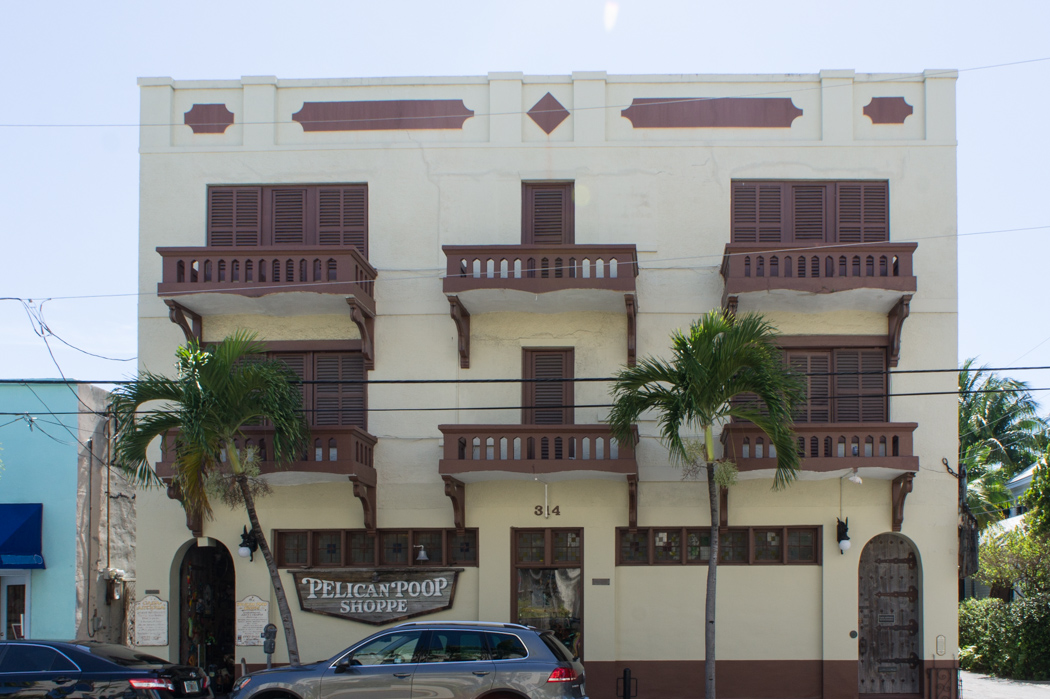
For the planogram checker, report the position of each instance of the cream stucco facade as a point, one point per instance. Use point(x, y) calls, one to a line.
point(667, 190)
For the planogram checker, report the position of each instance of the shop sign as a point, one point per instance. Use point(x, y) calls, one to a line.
point(151, 621)
point(253, 614)
point(375, 596)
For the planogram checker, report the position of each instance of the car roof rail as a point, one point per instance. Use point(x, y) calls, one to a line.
point(493, 624)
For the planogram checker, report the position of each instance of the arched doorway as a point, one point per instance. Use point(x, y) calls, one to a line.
point(890, 617)
point(206, 611)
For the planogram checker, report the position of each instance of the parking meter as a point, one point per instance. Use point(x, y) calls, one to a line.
point(269, 636)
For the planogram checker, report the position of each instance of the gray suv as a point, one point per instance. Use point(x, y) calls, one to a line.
point(418, 660)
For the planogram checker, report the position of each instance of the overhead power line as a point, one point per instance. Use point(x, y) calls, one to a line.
point(783, 91)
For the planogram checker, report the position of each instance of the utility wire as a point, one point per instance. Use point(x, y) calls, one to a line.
point(783, 91)
point(439, 274)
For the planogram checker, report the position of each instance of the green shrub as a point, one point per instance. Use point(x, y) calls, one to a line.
point(1006, 640)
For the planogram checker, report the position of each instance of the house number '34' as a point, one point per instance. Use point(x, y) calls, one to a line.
point(556, 510)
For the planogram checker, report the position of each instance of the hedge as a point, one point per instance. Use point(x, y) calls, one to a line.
point(1006, 639)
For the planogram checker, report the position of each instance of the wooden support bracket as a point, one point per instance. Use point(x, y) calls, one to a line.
point(723, 509)
point(902, 485)
point(456, 492)
point(365, 491)
point(194, 521)
point(365, 321)
point(190, 322)
point(461, 317)
point(731, 304)
point(632, 328)
point(896, 318)
point(632, 501)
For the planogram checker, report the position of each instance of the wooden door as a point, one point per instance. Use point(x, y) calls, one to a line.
point(890, 617)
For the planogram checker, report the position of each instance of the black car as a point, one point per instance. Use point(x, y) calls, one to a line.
point(93, 670)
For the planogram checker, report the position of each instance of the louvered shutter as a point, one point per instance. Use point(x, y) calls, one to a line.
point(809, 203)
point(338, 403)
point(547, 216)
point(757, 212)
point(234, 216)
point(288, 216)
point(343, 217)
point(816, 366)
point(548, 402)
point(860, 385)
point(297, 363)
point(863, 212)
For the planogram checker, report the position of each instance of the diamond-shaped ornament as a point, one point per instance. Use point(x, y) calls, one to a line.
point(548, 113)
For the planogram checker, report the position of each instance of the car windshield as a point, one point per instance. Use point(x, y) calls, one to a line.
point(126, 657)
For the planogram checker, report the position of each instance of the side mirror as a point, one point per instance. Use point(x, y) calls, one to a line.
point(343, 665)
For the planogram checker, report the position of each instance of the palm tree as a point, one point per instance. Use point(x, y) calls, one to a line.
point(720, 358)
point(997, 418)
point(218, 391)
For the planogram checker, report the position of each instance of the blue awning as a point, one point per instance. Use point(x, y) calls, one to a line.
point(21, 529)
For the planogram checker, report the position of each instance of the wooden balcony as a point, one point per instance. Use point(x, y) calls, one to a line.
point(334, 451)
point(511, 277)
point(267, 280)
point(493, 452)
point(763, 276)
point(877, 449)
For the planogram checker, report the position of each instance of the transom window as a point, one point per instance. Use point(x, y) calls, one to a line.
point(386, 547)
point(737, 546)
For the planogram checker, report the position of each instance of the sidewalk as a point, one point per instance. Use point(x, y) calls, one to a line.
point(984, 687)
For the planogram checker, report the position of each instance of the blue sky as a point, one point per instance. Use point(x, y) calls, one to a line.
point(69, 185)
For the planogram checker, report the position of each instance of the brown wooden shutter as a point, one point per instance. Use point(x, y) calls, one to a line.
point(863, 212)
point(548, 402)
point(343, 217)
point(547, 213)
point(340, 404)
point(234, 216)
point(817, 366)
point(757, 212)
point(860, 395)
point(288, 216)
point(810, 204)
point(297, 363)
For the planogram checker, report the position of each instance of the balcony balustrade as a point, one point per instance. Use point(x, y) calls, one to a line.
point(826, 447)
point(191, 276)
point(883, 269)
point(339, 451)
point(524, 451)
point(539, 269)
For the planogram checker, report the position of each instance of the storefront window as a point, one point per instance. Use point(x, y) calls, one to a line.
point(291, 548)
point(768, 545)
point(801, 546)
point(328, 548)
point(548, 578)
point(394, 547)
point(634, 547)
point(667, 545)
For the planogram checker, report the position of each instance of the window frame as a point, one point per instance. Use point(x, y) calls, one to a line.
point(443, 559)
point(683, 558)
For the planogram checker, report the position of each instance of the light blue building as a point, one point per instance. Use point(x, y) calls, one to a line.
point(63, 515)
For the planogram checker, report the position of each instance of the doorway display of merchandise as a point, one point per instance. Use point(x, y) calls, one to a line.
point(207, 613)
point(550, 599)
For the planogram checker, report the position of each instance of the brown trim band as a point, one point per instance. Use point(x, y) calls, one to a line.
point(208, 118)
point(383, 115)
point(313, 345)
point(888, 110)
point(831, 341)
point(711, 112)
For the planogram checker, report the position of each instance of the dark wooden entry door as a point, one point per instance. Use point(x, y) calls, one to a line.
point(890, 612)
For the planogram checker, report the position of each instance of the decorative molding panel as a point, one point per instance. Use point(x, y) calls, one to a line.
point(888, 110)
point(208, 118)
point(711, 112)
point(383, 115)
point(548, 113)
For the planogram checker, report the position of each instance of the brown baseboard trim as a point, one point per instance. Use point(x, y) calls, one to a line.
point(734, 679)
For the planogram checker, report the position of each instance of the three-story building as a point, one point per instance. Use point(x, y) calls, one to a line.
point(455, 266)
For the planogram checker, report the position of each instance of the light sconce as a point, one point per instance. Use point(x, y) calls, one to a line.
point(855, 477)
point(248, 545)
point(422, 556)
point(842, 534)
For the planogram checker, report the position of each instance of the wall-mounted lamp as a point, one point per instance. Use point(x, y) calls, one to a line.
point(422, 556)
point(248, 545)
point(842, 534)
point(855, 477)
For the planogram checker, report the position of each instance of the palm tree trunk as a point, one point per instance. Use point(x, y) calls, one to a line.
point(275, 576)
point(712, 581)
